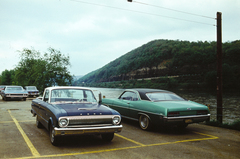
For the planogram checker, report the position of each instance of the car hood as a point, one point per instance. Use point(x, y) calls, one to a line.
point(85, 109)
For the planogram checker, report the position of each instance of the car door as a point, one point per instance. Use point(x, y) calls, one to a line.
point(133, 103)
point(43, 107)
point(123, 103)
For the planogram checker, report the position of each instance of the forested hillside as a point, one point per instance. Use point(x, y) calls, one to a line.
point(161, 58)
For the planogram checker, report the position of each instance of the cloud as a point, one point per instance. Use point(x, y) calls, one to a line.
point(94, 32)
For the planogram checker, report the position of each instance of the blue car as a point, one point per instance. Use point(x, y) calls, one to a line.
point(67, 111)
point(14, 92)
point(32, 91)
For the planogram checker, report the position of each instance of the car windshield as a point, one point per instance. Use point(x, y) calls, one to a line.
point(14, 88)
point(31, 88)
point(163, 96)
point(72, 96)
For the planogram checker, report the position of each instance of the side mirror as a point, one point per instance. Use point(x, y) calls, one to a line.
point(100, 98)
point(41, 98)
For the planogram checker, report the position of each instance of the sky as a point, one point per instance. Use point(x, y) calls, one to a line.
point(95, 32)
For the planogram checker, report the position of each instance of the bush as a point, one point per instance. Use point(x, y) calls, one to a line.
point(235, 125)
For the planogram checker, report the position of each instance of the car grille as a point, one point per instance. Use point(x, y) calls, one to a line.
point(16, 95)
point(90, 121)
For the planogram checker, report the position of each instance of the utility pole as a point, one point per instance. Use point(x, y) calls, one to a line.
point(219, 67)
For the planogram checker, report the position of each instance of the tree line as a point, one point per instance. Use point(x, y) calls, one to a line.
point(40, 70)
point(161, 58)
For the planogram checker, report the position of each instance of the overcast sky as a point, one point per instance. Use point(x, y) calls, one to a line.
point(96, 32)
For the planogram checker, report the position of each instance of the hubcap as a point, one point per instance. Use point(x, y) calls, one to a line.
point(144, 122)
point(52, 135)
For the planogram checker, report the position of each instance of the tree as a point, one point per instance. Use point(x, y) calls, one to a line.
point(43, 71)
point(7, 77)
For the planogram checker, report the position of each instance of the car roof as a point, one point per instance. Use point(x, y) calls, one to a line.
point(13, 86)
point(142, 92)
point(67, 87)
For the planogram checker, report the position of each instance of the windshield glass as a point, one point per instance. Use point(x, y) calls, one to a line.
point(31, 88)
point(14, 88)
point(160, 96)
point(72, 95)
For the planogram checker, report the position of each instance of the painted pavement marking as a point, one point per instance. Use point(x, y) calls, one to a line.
point(140, 145)
point(29, 143)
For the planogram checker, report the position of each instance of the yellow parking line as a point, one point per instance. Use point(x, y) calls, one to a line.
point(124, 148)
point(3, 122)
point(29, 143)
point(138, 143)
point(37, 155)
point(211, 136)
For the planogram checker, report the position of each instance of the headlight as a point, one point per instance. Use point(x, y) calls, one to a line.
point(116, 120)
point(63, 122)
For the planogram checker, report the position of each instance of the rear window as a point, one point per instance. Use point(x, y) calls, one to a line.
point(163, 96)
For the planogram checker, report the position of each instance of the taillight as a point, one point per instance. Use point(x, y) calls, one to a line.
point(173, 114)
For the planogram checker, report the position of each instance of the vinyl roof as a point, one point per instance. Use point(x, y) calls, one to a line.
point(142, 92)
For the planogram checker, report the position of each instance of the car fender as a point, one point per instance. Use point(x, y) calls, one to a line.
point(50, 122)
point(140, 113)
point(33, 112)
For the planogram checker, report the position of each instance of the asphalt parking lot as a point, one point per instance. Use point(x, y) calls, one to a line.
point(20, 138)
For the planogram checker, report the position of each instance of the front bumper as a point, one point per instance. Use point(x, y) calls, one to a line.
point(186, 119)
point(16, 95)
point(87, 130)
point(33, 94)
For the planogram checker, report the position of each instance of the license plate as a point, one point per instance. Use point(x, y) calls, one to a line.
point(188, 121)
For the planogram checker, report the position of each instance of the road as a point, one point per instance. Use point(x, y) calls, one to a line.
point(20, 138)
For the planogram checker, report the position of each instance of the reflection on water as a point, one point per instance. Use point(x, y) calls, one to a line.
point(231, 103)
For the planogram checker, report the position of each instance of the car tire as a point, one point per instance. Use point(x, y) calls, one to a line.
point(38, 123)
point(107, 137)
point(24, 99)
point(144, 122)
point(53, 139)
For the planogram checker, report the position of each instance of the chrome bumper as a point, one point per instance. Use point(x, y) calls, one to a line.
point(16, 96)
point(195, 118)
point(87, 130)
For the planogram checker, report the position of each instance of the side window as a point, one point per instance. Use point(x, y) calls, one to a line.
point(46, 96)
point(90, 97)
point(129, 96)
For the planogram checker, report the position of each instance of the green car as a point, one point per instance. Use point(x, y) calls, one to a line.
point(154, 107)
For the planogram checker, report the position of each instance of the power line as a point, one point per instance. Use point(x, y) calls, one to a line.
point(175, 10)
point(96, 4)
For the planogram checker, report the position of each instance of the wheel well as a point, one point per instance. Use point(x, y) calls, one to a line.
point(145, 115)
point(50, 122)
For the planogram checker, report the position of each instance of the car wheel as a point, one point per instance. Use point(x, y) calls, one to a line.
point(38, 123)
point(53, 139)
point(107, 137)
point(24, 99)
point(144, 122)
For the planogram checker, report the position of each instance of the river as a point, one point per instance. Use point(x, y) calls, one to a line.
point(231, 101)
